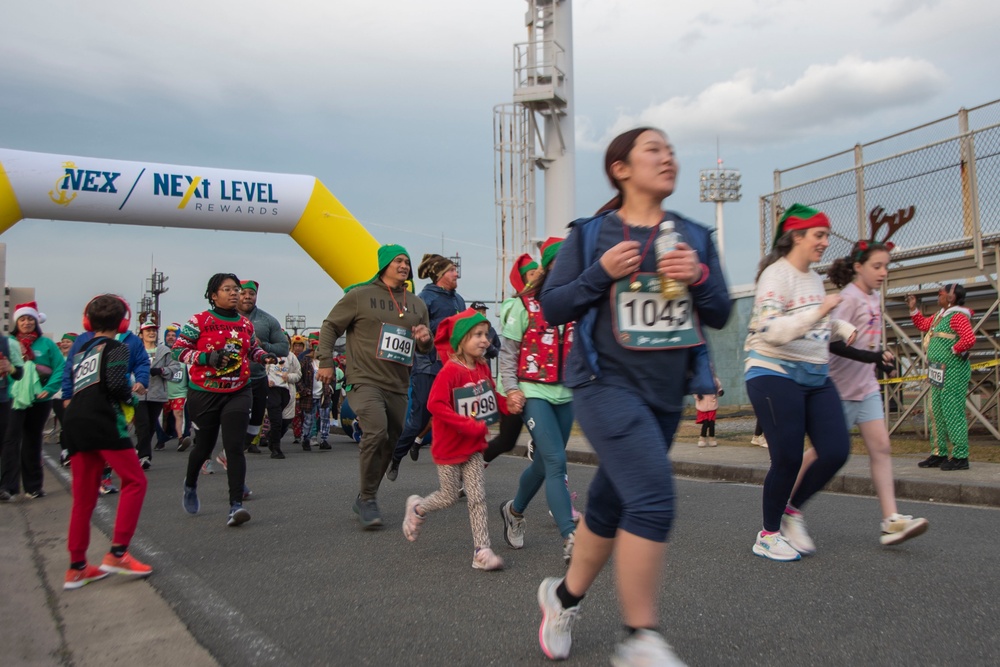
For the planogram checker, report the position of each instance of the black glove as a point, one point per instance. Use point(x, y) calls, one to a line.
point(218, 359)
point(155, 372)
point(269, 359)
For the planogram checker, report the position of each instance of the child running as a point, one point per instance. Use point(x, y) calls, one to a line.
point(462, 402)
point(860, 275)
point(95, 430)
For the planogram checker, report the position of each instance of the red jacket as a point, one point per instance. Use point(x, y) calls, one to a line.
point(457, 437)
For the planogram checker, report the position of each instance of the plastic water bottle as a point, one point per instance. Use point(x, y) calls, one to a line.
point(666, 240)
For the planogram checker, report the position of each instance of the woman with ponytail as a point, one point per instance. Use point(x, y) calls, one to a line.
point(631, 355)
point(787, 377)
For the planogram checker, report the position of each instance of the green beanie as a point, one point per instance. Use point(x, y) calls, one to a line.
point(386, 254)
point(549, 250)
point(250, 284)
point(528, 267)
point(799, 216)
point(463, 323)
point(69, 336)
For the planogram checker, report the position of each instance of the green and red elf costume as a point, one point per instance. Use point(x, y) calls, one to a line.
point(948, 336)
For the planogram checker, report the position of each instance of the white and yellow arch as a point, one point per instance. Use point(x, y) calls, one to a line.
point(87, 189)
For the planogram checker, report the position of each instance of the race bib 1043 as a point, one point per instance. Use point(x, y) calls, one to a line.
point(395, 344)
point(644, 320)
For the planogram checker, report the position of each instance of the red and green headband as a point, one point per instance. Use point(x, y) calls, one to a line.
point(799, 216)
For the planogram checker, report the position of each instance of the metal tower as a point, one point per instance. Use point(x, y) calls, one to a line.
point(537, 130)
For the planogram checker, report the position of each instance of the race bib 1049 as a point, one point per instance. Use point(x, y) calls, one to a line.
point(395, 344)
point(644, 320)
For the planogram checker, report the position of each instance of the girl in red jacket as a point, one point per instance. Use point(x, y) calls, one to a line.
point(463, 402)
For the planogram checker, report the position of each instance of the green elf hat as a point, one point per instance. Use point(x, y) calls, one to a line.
point(250, 284)
point(530, 266)
point(799, 216)
point(452, 330)
point(70, 336)
point(386, 254)
point(549, 250)
point(313, 338)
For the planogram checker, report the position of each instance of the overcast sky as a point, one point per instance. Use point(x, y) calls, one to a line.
point(390, 106)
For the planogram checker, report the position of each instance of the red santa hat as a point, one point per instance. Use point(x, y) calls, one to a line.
point(30, 308)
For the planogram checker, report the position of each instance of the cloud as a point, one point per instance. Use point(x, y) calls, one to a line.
point(824, 98)
point(897, 10)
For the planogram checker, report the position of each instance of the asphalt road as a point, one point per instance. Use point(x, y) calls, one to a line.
point(302, 584)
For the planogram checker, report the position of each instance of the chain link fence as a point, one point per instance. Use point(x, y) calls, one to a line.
point(947, 190)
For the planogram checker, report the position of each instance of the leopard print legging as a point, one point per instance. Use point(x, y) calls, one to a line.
point(451, 477)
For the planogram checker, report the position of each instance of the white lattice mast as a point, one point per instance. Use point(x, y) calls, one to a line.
point(544, 85)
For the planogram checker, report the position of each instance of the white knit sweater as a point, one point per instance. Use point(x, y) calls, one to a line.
point(786, 323)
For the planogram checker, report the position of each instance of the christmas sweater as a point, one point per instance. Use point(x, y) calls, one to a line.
point(224, 330)
point(458, 437)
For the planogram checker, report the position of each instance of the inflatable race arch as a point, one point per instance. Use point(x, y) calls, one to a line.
point(66, 187)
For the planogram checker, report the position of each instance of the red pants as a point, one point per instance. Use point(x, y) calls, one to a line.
point(87, 468)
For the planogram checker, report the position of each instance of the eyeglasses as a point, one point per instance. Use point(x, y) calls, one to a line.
point(230, 290)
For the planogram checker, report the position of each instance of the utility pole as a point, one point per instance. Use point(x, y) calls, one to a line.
point(155, 289)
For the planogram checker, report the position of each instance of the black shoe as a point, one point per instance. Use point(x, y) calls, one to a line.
point(276, 453)
point(415, 452)
point(306, 447)
point(955, 464)
point(41, 494)
point(6, 496)
point(368, 514)
point(393, 472)
point(933, 461)
point(145, 462)
point(252, 449)
point(325, 445)
point(160, 447)
point(184, 444)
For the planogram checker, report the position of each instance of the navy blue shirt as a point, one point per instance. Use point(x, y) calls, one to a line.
point(578, 287)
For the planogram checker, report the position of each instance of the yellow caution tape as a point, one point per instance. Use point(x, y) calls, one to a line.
point(915, 378)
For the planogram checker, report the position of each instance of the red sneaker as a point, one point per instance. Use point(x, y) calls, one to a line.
point(125, 565)
point(79, 578)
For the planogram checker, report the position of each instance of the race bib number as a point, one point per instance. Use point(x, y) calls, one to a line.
point(644, 320)
point(478, 402)
point(395, 344)
point(935, 373)
point(87, 368)
point(178, 376)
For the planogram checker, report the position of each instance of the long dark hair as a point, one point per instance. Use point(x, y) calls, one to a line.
point(618, 151)
point(842, 271)
point(215, 282)
point(782, 247)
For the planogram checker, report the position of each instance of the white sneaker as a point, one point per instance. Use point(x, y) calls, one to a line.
point(774, 547)
point(756, 439)
point(485, 559)
point(411, 520)
point(899, 528)
point(555, 635)
point(702, 442)
point(793, 529)
point(712, 442)
point(645, 648)
point(513, 526)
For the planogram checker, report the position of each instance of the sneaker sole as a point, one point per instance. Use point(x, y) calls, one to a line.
point(764, 553)
point(111, 569)
point(503, 519)
point(239, 518)
point(919, 528)
point(542, 588)
point(72, 586)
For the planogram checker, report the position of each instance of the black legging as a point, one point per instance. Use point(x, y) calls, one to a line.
point(510, 431)
point(21, 455)
point(211, 412)
point(147, 413)
point(277, 400)
point(708, 428)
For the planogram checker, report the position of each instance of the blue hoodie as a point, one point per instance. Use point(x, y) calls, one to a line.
point(138, 362)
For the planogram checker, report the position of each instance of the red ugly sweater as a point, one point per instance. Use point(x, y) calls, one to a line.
point(461, 401)
point(214, 330)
